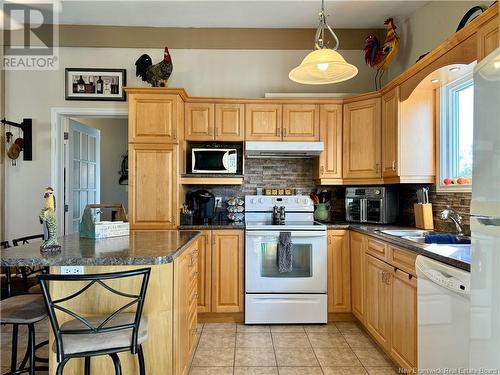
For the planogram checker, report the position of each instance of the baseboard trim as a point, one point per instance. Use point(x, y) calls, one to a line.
point(220, 317)
point(341, 317)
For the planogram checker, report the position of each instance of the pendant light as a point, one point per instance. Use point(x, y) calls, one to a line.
point(323, 65)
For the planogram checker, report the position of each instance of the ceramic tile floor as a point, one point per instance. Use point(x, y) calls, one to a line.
point(335, 349)
point(227, 348)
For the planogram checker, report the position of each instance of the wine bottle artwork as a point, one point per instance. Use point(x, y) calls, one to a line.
point(99, 84)
point(80, 88)
point(95, 84)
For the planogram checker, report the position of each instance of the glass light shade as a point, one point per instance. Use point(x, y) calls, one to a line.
point(321, 67)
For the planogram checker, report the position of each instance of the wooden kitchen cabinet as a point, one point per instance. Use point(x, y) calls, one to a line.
point(357, 245)
point(263, 122)
point(404, 319)
point(328, 166)
point(408, 136)
point(154, 117)
point(362, 141)
point(205, 271)
point(199, 121)
point(378, 294)
point(227, 271)
point(185, 323)
point(229, 122)
point(300, 122)
point(488, 38)
point(153, 186)
point(339, 272)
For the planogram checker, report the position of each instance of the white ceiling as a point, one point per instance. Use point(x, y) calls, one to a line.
point(235, 13)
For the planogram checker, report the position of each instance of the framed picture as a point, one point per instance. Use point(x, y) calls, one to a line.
point(95, 84)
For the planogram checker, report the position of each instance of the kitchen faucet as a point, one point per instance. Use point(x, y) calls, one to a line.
point(450, 214)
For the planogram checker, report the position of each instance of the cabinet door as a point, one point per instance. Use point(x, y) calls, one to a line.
point(390, 133)
point(153, 181)
point(404, 319)
point(300, 122)
point(263, 122)
point(330, 133)
point(227, 271)
point(230, 122)
point(362, 139)
point(357, 242)
point(181, 313)
point(204, 271)
point(339, 272)
point(488, 38)
point(154, 118)
point(199, 121)
point(378, 299)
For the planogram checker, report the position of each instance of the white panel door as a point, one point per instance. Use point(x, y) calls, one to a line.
point(83, 172)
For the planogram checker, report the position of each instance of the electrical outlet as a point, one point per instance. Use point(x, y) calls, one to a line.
point(72, 270)
point(218, 201)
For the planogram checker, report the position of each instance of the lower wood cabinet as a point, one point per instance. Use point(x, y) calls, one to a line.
point(220, 271)
point(185, 315)
point(357, 244)
point(339, 272)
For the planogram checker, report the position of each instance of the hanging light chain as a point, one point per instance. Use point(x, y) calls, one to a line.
point(319, 40)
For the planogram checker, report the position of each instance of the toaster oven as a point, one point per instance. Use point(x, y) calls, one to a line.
point(377, 205)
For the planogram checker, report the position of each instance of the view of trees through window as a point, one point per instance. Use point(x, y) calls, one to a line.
point(465, 103)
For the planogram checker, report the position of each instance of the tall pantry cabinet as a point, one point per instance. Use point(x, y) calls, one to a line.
point(155, 115)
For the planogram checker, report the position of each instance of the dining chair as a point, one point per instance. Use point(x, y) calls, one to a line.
point(27, 272)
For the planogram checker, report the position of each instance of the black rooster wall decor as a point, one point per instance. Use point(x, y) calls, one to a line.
point(157, 75)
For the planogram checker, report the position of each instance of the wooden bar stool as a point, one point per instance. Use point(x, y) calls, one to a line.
point(26, 309)
point(86, 337)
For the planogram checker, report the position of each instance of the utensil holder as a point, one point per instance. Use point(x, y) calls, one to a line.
point(423, 216)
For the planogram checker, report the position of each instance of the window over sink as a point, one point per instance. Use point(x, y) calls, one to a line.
point(456, 103)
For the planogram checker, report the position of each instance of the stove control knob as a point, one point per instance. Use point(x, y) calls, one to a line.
point(377, 192)
point(297, 200)
point(306, 201)
point(261, 200)
point(252, 201)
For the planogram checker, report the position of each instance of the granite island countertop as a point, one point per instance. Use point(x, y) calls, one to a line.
point(139, 248)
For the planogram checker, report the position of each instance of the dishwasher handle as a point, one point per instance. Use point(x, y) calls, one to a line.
point(443, 279)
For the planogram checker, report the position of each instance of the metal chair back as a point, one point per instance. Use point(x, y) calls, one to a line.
point(106, 325)
point(26, 239)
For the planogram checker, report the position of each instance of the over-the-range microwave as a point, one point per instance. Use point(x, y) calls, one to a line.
point(214, 158)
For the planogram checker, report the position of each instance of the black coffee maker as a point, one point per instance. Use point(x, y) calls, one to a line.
point(202, 203)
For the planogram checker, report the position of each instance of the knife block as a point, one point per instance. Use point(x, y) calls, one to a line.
point(423, 216)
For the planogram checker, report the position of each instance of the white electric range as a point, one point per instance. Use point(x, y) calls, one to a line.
point(298, 296)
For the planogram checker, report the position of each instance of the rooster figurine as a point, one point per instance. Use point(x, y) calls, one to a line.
point(157, 75)
point(380, 57)
point(48, 220)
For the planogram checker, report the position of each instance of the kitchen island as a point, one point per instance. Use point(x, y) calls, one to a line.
point(171, 294)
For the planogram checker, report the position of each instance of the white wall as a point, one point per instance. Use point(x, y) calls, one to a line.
point(237, 73)
point(426, 28)
point(114, 143)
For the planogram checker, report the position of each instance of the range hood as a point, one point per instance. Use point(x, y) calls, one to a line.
point(283, 150)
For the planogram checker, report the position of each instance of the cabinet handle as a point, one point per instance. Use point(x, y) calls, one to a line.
point(284, 132)
point(217, 131)
point(277, 131)
point(378, 167)
point(174, 133)
point(322, 169)
point(394, 165)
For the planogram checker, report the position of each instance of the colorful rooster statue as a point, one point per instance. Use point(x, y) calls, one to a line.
point(380, 57)
point(48, 220)
point(157, 75)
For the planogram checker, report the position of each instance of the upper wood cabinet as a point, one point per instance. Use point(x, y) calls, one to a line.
point(362, 141)
point(300, 122)
point(263, 122)
point(358, 244)
point(230, 122)
point(199, 121)
point(488, 38)
point(153, 186)
point(209, 121)
point(378, 299)
point(154, 118)
point(408, 137)
point(328, 166)
point(227, 271)
point(339, 272)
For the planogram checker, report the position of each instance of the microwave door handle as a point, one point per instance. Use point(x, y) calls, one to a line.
point(225, 160)
point(193, 160)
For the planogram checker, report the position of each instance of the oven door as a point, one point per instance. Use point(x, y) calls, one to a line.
point(354, 209)
point(308, 273)
point(374, 210)
point(208, 160)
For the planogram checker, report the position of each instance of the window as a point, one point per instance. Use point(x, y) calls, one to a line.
point(455, 135)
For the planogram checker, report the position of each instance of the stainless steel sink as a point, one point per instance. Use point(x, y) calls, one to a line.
point(421, 239)
point(405, 232)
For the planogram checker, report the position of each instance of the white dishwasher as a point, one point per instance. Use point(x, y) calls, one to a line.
point(443, 310)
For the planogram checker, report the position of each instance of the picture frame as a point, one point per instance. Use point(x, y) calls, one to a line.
point(95, 84)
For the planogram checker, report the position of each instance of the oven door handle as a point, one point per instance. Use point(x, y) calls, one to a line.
point(295, 234)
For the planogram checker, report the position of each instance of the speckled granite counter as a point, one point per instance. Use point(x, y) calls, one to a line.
point(141, 247)
point(456, 256)
point(224, 224)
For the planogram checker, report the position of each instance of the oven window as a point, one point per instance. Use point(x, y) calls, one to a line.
point(301, 261)
point(209, 161)
point(373, 210)
point(354, 209)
